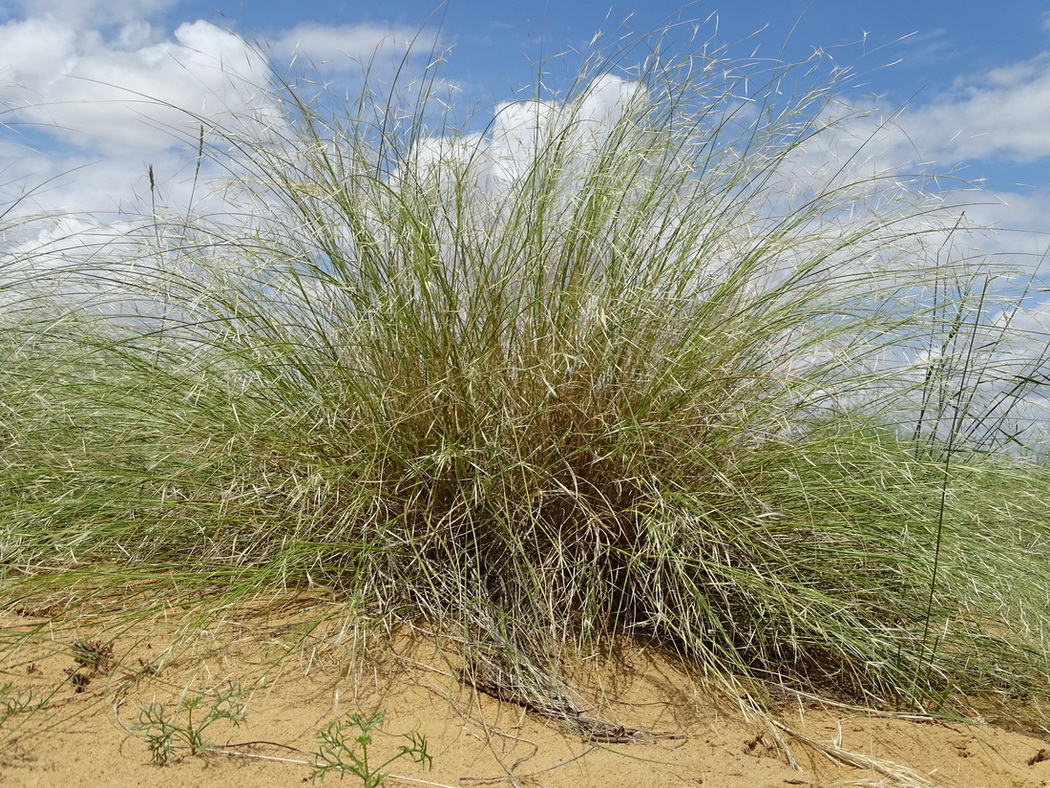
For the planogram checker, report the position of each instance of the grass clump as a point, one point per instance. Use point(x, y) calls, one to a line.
point(620, 365)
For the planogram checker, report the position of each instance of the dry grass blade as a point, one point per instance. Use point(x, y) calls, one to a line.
point(540, 697)
point(898, 775)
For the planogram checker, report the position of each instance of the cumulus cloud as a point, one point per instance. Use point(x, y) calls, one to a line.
point(521, 129)
point(94, 13)
point(341, 48)
point(122, 94)
point(92, 93)
point(1003, 112)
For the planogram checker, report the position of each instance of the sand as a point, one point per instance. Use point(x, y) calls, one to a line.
point(71, 707)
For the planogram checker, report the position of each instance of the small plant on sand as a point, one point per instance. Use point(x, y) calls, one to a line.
point(95, 655)
point(14, 702)
point(166, 730)
point(336, 751)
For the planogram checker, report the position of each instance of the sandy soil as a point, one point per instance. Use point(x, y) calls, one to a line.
point(78, 727)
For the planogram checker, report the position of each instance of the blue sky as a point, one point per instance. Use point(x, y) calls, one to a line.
point(942, 53)
point(967, 32)
point(938, 39)
point(935, 40)
point(975, 82)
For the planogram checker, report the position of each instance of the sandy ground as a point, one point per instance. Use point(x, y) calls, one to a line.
point(73, 697)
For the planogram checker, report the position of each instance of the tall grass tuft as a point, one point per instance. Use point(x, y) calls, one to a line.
point(624, 364)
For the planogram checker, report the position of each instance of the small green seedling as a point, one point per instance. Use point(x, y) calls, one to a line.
point(166, 730)
point(336, 754)
point(14, 702)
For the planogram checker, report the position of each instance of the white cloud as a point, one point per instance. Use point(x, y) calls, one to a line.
point(124, 95)
point(92, 13)
point(519, 131)
point(1003, 112)
point(349, 47)
point(116, 98)
point(36, 50)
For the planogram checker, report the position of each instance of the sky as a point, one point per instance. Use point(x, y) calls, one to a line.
point(74, 74)
point(93, 93)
